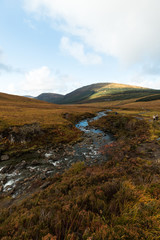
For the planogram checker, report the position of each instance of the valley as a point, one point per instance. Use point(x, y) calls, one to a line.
point(26, 174)
point(79, 171)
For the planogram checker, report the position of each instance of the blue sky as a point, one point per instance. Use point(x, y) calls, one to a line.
point(58, 45)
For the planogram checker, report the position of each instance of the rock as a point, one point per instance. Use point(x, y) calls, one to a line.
point(35, 162)
point(4, 157)
point(45, 185)
point(5, 169)
point(21, 165)
point(39, 151)
point(1, 188)
point(43, 176)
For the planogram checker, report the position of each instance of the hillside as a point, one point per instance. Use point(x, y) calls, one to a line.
point(50, 97)
point(26, 124)
point(28, 96)
point(110, 192)
point(119, 199)
point(100, 92)
point(107, 92)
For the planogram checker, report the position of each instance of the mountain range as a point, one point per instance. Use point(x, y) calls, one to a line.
point(101, 92)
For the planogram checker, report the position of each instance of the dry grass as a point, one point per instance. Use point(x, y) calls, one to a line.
point(15, 110)
point(117, 200)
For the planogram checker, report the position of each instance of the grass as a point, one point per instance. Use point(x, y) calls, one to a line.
point(17, 110)
point(55, 122)
point(33, 123)
point(107, 92)
point(117, 200)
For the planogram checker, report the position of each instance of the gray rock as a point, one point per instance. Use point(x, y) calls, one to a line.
point(35, 162)
point(1, 188)
point(4, 157)
point(45, 185)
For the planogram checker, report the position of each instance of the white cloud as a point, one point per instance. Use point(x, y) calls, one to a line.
point(5, 67)
point(38, 81)
point(77, 51)
point(42, 80)
point(149, 81)
point(127, 30)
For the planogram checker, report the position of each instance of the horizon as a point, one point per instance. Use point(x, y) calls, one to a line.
point(28, 95)
point(58, 46)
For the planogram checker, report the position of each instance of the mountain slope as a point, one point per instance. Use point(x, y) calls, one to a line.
point(50, 97)
point(83, 93)
point(106, 92)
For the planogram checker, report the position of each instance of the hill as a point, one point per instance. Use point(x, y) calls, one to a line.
point(115, 199)
point(27, 124)
point(149, 98)
point(119, 199)
point(100, 92)
point(50, 97)
point(28, 96)
point(107, 92)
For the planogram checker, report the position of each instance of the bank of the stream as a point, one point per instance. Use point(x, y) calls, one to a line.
point(119, 199)
point(23, 174)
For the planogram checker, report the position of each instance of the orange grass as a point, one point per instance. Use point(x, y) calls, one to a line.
point(16, 110)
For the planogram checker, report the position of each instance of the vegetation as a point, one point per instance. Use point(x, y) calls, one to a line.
point(118, 200)
point(124, 127)
point(27, 124)
point(100, 92)
point(16, 111)
point(150, 98)
point(50, 97)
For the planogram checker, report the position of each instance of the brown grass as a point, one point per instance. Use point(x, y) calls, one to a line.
point(16, 110)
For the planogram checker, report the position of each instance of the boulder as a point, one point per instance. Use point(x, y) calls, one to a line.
point(1, 188)
point(45, 185)
point(4, 157)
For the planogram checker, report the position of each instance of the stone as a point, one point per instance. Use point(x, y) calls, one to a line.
point(45, 185)
point(4, 157)
point(35, 162)
point(1, 188)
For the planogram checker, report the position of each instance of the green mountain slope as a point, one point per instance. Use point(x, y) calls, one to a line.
point(106, 92)
point(50, 97)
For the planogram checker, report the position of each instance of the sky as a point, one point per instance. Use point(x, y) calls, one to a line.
point(58, 46)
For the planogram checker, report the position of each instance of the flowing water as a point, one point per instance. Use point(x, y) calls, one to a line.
point(19, 177)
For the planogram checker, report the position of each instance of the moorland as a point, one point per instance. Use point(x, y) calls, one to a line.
point(118, 198)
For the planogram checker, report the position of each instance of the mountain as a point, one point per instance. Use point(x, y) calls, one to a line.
point(10, 98)
point(101, 92)
point(28, 96)
point(50, 97)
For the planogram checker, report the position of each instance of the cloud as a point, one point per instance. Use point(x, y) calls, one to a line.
point(145, 81)
point(29, 23)
point(151, 68)
point(126, 30)
point(42, 80)
point(6, 67)
point(9, 69)
point(77, 51)
point(38, 81)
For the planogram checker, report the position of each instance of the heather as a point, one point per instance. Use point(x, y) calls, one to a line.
point(116, 200)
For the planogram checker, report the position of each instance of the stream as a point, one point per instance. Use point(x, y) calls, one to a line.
point(30, 171)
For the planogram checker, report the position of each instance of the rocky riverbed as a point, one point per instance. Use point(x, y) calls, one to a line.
point(32, 171)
